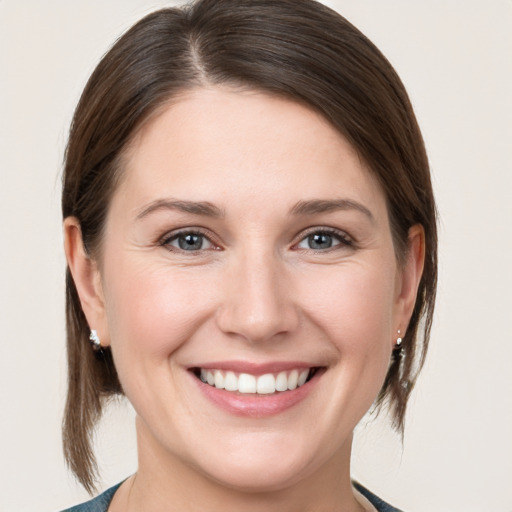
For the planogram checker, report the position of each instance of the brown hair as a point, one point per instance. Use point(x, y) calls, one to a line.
point(297, 49)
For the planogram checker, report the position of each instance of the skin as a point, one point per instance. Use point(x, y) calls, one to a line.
point(257, 291)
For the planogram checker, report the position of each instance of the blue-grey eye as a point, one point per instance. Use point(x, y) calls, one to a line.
point(189, 242)
point(320, 240)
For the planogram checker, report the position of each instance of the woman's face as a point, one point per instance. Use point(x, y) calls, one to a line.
point(249, 247)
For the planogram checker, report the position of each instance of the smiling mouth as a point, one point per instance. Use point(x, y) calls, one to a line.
point(248, 384)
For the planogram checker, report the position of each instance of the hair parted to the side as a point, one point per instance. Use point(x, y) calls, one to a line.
point(298, 49)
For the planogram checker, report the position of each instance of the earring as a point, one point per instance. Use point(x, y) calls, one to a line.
point(95, 340)
point(398, 352)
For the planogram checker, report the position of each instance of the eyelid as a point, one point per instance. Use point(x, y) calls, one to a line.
point(345, 239)
point(164, 241)
point(170, 236)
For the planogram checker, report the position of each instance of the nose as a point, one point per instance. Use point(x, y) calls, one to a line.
point(257, 299)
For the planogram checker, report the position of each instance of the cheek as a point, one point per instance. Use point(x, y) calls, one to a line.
point(354, 304)
point(154, 311)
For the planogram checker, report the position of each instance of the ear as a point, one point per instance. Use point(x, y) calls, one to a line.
point(409, 278)
point(87, 279)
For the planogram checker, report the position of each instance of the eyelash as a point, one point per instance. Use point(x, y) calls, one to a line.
point(171, 237)
point(343, 239)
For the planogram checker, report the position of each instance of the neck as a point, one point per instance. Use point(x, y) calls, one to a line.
point(165, 482)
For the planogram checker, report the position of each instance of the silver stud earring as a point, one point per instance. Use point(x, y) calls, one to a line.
point(399, 339)
point(95, 340)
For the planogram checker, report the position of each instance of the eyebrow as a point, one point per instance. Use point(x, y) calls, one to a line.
point(301, 208)
point(325, 205)
point(203, 208)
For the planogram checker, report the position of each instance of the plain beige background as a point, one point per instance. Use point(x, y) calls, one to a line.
point(455, 58)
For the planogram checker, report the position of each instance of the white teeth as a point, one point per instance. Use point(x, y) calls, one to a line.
point(303, 375)
point(246, 383)
point(293, 379)
point(218, 379)
point(282, 382)
point(266, 384)
point(231, 382)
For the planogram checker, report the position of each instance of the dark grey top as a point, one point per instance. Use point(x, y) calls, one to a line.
point(101, 502)
point(380, 505)
point(98, 504)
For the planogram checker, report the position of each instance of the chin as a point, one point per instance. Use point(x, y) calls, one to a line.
point(258, 476)
point(269, 465)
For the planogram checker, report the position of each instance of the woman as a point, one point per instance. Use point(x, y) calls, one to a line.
point(251, 244)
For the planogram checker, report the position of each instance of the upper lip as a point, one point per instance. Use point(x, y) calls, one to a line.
point(254, 368)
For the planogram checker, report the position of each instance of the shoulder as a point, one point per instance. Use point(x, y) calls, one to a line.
point(98, 504)
point(379, 504)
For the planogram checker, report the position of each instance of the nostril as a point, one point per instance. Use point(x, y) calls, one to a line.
point(256, 305)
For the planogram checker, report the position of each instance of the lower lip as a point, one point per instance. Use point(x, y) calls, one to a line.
point(254, 405)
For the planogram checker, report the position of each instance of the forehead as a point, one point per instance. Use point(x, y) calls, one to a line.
point(229, 141)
